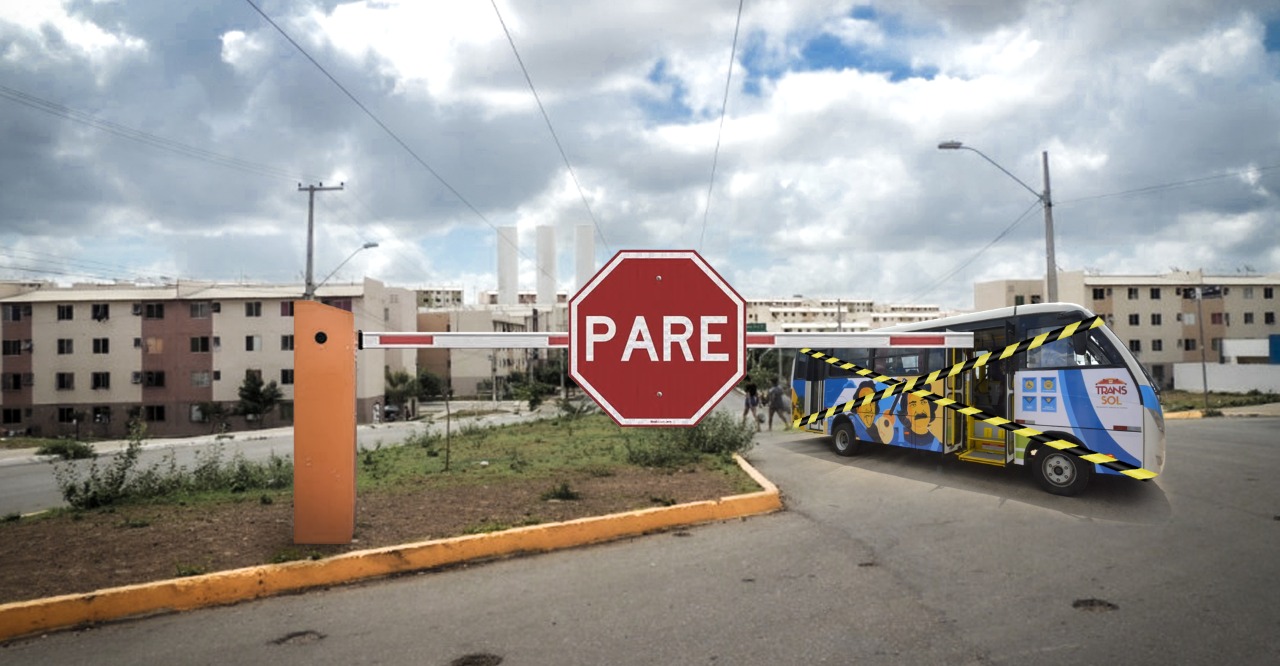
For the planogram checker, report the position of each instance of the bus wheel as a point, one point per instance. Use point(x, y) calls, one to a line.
point(842, 436)
point(1060, 473)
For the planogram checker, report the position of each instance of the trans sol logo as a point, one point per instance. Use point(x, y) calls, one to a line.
point(1110, 391)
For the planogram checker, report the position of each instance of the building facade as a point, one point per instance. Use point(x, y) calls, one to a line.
point(1160, 317)
point(808, 315)
point(85, 360)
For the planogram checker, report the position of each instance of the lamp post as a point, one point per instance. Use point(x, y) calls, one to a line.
point(366, 246)
point(1051, 267)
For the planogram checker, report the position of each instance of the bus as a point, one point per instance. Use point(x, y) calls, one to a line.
point(1086, 389)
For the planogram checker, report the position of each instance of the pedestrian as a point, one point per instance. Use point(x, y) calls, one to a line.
point(777, 401)
point(752, 403)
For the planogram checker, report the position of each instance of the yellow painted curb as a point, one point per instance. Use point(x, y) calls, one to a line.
point(30, 617)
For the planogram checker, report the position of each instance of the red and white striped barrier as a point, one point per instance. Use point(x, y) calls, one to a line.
point(522, 340)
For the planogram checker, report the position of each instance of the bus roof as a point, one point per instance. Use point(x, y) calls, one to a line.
point(958, 320)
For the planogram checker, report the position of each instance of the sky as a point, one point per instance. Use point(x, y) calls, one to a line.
point(157, 141)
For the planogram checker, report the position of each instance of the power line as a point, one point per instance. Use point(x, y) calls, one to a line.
point(975, 256)
point(1170, 186)
point(384, 127)
point(547, 118)
point(724, 105)
point(68, 113)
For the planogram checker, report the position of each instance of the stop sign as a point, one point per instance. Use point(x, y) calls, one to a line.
point(657, 338)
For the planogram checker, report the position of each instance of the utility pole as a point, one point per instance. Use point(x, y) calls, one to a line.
point(1051, 275)
point(309, 292)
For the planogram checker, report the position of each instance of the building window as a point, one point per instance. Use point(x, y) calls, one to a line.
point(253, 343)
point(200, 310)
point(1248, 292)
point(153, 311)
point(65, 381)
point(1019, 299)
point(1135, 320)
point(1269, 318)
point(217, 375)
point(66, 415)
point(1215, 318)
point(285, 410)
point(1135, 346)
point(102, 415)
point(101, 311)
point(66, 312)
point(153, 379)
point(102, 345)
point(66, 346)
point(200, 378)
point(1155, 293)
point(1099, 294)
point(1189, 344)
point(12, 347)
point(200, 345)
point(11, 416)
point(1133, 293)
point(153, 413)
point(155, 345)
point(12, 381)
point(1157, 345)
point(340, 303)
point(1248, 317)
point(253, 309)
point(1268, 292)
point(286, 308)
point(286, 376)
point(256, 375)
point(101, 380)
point(286, 343)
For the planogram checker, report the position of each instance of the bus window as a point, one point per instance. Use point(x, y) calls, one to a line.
point(859, 357)
point(1063, 354)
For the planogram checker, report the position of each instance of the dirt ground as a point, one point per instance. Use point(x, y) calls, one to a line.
point(44, 557)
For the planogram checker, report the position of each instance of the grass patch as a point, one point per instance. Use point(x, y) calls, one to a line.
point(561, 492)
point(67, 449)
point(1181, 401)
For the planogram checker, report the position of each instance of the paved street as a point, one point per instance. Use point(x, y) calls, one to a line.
point(896, 557)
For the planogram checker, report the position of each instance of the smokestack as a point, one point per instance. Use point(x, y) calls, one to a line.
point(507, 266)
point(546, 265)
point(584, 258)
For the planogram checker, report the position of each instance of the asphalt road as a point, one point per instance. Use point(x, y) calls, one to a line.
point(895, 557)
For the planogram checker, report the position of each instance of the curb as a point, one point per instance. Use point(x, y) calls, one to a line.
point(1178, 416)
point(23, 618)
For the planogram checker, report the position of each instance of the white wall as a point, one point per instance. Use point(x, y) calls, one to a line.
point(1228, 378)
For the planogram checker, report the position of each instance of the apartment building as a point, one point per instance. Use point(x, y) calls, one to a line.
point(86, 359)
point(807, 315)
point(483, 373)
point(1159, 316)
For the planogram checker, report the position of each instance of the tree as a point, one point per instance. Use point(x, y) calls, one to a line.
point(256, 399)
point(430, 385)
point(400, 386)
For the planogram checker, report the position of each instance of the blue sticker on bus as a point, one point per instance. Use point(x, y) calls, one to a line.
point(1048, 404)
point(1029, 403)
point(1047, 385)
point(1029, 385)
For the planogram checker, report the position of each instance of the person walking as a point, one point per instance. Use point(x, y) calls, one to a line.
point(776, 398)
point(751, 404)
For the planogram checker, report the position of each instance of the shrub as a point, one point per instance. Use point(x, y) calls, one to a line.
point(67, 449)
point(561, 492)
point(718, 434)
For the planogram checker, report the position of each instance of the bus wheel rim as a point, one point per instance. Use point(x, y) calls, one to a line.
point(1058, 469)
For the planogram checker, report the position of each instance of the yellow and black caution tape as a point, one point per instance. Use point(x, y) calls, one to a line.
point(896, 386)
point(1035, 436)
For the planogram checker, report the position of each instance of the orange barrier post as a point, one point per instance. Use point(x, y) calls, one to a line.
point(324, 430)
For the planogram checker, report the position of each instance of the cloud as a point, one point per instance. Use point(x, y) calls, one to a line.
point(175, 135)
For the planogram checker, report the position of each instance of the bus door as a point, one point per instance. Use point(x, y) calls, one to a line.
point(953, 424)
point(987, 388)
point(809, 380)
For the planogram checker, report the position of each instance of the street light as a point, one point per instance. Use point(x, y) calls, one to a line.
point(1051, 267)
point(366, 246)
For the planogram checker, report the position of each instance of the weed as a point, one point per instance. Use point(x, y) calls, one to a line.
point(135, 523)
point(561, 492)
point(183, 570)
point(291, 554)
point(1211, 412)
point(12, 517)
point(517, 461)
point(663, 501)
point(266, 500)
point(67, 449)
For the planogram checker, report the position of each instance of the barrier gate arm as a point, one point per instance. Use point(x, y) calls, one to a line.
point(525, 340)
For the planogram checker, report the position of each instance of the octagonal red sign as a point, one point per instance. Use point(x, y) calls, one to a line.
point(657, 338)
